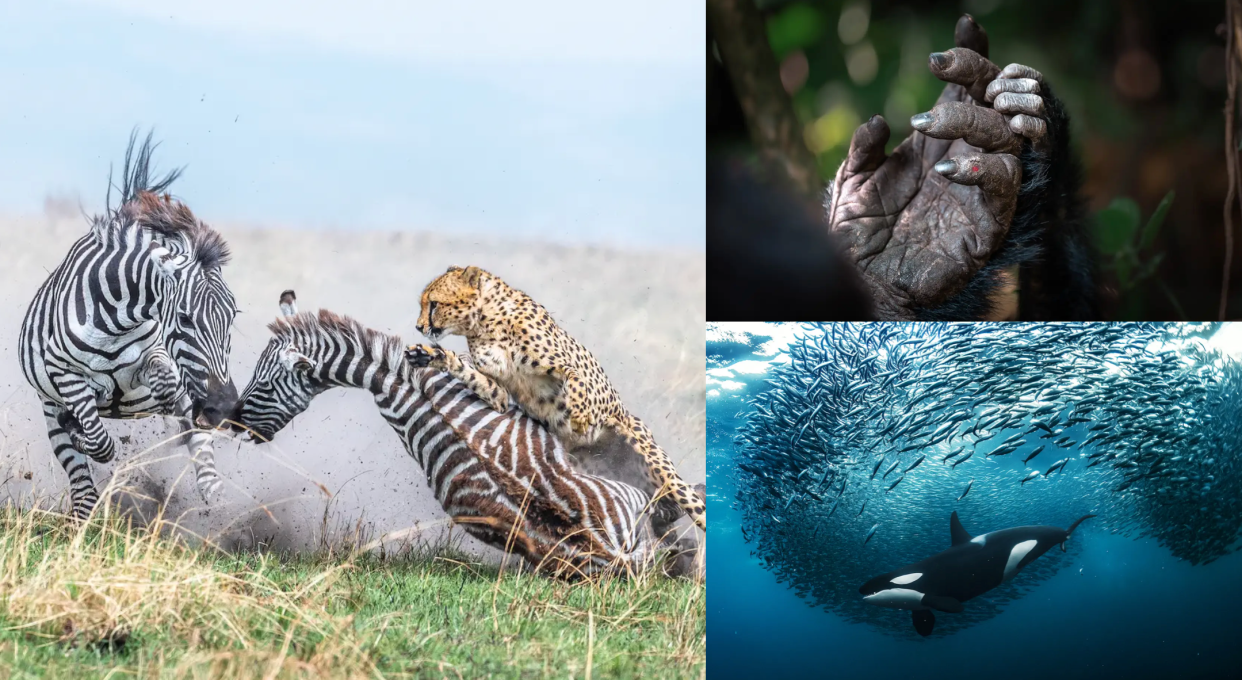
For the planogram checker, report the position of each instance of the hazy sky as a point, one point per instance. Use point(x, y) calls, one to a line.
point(568, 121)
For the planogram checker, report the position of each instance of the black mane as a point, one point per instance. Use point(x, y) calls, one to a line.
point(136, 172)
point(142, 204)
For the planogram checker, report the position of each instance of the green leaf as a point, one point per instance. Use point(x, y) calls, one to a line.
point(795, 27)
point(1157, 219)
point(1116, 224)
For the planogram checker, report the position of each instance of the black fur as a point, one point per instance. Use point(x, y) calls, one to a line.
point(1047, 239)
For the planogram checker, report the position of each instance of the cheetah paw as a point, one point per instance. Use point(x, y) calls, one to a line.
point(426, 356)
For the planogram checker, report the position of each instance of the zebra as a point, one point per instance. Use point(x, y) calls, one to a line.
point(135, 321)
point(502, 476)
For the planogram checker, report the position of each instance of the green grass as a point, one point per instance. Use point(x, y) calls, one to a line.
point(105, 600)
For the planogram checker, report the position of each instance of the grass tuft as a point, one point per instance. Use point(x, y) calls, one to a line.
point(105, 598)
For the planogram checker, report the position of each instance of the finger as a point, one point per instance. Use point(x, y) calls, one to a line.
point(979, 126)
point(1015, 85)
point(964, 67)
point(999, 174)
point(867, 146)
point(1020, 71)
point(1014, 103)
point(1028, 126)
point(971, 35)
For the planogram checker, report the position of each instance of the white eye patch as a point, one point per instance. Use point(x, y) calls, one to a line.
point(907, 578)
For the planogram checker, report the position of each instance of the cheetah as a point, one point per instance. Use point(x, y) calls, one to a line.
point(519, 352)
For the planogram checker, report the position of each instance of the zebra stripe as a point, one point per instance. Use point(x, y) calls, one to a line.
point(135, 321)
point(502, 476)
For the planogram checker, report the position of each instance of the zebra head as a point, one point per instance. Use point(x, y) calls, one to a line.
point(201, 343)
point(197, 306)
point(283, 384)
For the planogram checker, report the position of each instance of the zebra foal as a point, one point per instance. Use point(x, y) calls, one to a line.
point(502, 476)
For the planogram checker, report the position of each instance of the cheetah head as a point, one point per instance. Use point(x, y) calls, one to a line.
point(450, 303)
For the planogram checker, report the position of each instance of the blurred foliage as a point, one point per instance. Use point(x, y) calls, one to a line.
point(1143, 82)
point(1125, 251)
point(1074, 43)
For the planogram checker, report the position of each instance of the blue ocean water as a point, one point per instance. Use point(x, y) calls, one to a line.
point(1113, 606)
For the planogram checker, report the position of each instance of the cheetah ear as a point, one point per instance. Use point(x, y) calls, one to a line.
point(472, 275)
point(452, 268)
point(293, 360)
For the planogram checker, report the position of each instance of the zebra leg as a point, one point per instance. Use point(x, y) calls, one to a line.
point(660, 469)
point(160, 375)
point(201, 451)
point(89, 436)
point(82, 491)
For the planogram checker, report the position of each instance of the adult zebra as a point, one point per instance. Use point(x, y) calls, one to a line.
point(135, 321)
point(502, 476)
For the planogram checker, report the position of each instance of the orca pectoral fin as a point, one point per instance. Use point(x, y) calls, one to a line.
point(924, 621)
point(944, 603)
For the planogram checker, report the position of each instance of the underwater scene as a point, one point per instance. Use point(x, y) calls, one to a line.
point(975, 500)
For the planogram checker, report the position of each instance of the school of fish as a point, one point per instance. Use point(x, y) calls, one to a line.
point(1008, 424)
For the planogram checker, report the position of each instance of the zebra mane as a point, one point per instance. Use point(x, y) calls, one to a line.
point(326, 324)
point(171, 218)
point(136, 173)
point(142, 204)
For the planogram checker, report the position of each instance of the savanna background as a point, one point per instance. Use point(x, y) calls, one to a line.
point(1145, 84)
point(352, 152)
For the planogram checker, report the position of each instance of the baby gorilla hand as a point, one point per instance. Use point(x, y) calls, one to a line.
point(1016, 92)
point(920, 222)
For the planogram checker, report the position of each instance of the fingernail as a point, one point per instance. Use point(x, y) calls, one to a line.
point(946, 167)
point(921, 121)
point(941, 60)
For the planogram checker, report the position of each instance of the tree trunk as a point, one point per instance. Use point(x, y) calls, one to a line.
point(774, 129)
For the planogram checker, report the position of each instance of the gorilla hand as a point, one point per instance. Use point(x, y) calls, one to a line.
point(921, 222)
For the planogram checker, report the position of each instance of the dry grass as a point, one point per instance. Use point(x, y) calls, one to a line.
point(107, 599)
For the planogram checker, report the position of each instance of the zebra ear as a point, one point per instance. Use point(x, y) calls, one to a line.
point(293, 360)
point(288, 303)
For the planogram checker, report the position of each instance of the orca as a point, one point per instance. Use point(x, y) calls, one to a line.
point(971, 567)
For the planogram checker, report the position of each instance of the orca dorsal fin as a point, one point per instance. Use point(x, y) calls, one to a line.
point(959, 534)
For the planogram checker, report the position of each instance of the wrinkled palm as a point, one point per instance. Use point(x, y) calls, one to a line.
point(920, 222)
